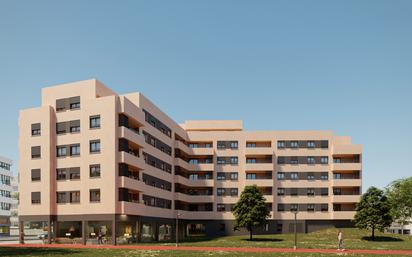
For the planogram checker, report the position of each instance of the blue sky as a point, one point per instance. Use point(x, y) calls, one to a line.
point(344, 66)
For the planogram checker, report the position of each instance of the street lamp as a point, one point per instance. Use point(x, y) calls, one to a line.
point(295, 212)
point(177, 229)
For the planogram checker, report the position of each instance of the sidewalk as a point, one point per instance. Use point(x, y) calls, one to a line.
point(199, 248)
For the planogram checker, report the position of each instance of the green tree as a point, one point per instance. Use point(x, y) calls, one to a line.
point(250, 211)
point(373, 211)
point(400, 197)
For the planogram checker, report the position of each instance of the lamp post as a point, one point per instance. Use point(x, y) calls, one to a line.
point(177, 229)
point(295, 212)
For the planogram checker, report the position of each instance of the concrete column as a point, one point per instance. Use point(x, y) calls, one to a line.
point(156, 232)
point(49, 233)
point(114, 230)
point(84, 232)
point(21, 232)
point(138, 230)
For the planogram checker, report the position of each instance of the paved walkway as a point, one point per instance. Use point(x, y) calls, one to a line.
point(201, 248)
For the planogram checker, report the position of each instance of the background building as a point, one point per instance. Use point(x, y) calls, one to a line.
point(95, 162)
point(6, 200)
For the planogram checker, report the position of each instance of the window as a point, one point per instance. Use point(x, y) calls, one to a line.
point(251, 145)
point(222, 227)
point(74, 173)
point(233, 176)
point(281, 144)
point(61, 174)
point(220, 191)
point(35, 197)
point(35, 175)
point(293, 207)
point(220, 160)
point(35, 152)
point(233, 160)
point(311, 192)
point(293, 191)
point(94, 170)
point(74, 126)
point(281, 176)
point(221, 176)
point(281, 207)
point(4, 165)
point(324, 176)
point(311, 207)
point(294, 176)
point(233, 191)
point(74, 102)
point(311, 160)
point(61, 128)
point(75, 150)
point(233, 144)
point(95, 121)
point(281, 160)
point(35, 129)
point(74, 129)
point(324, 144)
point(75, 197)
point(61, 197)
point(324, 160)
point(281, 191)
point(324, 191)
point(61, 151)
point(311, 144)
point(94, 195)
point(251, 160)
point(221, 207)
point(294, 144)
point(251, 176)
point(294, 160)
point(324, 207)
point(310, 176)
point(337, 160)
point(95, 146)
point(193, 145)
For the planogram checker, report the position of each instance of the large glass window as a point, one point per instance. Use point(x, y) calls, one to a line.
point(95, 195)
point(281, 175)
point(61, 151)
point(94, 170)
point(95, 121)
point(61, 174)
point(75, 197)
point(95, 146)
point(75, 150)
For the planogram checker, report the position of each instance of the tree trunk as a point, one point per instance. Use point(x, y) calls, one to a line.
point(250, 232)
point(402, 229)
point(373, 233)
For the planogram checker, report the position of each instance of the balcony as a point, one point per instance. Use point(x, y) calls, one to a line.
point(194, 198)
point(343, 215)
point(346, 182)
point(258, 148)
point(346, 198)
point(260, 182)
point(131, 159)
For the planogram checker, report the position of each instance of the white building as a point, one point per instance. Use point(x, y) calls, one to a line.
point(397, 228)
point(5, 195)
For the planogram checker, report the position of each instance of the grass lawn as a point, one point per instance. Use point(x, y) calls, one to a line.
point(40, 252)
point(323, 239)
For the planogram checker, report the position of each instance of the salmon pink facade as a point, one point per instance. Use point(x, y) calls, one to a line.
point(94, 163)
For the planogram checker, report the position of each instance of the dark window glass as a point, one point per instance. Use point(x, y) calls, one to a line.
point(61, 151)
point(75, 150)
point(94, 170)
point(95, 146)
point(95, 195)
point(95, 121)
point(35, 175)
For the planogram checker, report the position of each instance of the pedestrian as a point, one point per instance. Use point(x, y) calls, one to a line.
point(100, 238)
point(340, 241)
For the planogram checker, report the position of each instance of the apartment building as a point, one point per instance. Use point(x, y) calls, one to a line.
point(94, 162)
point(6, 200)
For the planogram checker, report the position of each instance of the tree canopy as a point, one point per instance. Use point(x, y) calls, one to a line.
point(250, 210)
point(400, 197)
point(373, 211)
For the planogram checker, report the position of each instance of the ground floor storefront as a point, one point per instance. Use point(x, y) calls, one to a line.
point(128, 229)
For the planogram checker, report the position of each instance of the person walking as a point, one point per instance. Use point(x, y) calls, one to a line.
point(340, 241)
point(100, 238)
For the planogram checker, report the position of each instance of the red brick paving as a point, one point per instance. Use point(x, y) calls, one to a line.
point(201, 248)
